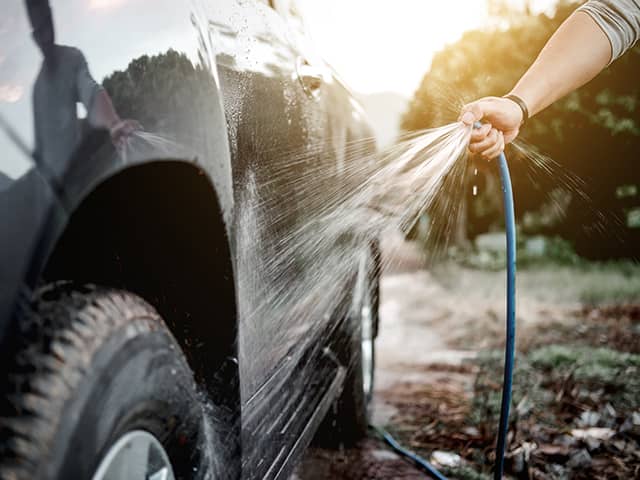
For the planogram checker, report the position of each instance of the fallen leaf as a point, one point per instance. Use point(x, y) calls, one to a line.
point(593, 432)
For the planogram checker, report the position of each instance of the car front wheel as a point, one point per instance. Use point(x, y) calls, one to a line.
point(99, 389)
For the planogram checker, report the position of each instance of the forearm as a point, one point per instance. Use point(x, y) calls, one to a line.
point(575, 54)
point(102, 114)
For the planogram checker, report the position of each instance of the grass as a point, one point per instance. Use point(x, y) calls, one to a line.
point(587, 374)
point(465, 473)
point(553, 386)
point(587, 283)
point(591, 284)
point(561, 270)
point(617, 374)
point(610, 283)
point(578, 326)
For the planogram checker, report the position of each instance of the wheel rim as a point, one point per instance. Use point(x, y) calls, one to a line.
point(137, 455)
point(366, 316)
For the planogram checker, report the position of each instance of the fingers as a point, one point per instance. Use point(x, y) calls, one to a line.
point(487, 142)
point(119, 141)
point(495, 150)
point(121, 132)
point(133, 125)
point(502, 121)
point(479, 134)
point(468, 118)
point(471, 113)
point(511, 135)
point(127, 127)
point(489, 147)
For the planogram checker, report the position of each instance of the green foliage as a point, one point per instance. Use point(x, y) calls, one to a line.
point(594, 368)
point(557, 251)
point(593, 132)
point(607, 294)
point(464, 473)
point(590, 364)
point(554, 251)
point(528, 390)
point(165, 93)
point(592, 374)
point(609, 283)
point(633, 218)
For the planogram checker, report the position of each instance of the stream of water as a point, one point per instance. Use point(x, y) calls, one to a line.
point(292, 283)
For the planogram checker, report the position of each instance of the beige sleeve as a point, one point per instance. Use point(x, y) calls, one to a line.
point(618, 19)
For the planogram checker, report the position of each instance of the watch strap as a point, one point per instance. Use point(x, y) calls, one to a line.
point(523, 106)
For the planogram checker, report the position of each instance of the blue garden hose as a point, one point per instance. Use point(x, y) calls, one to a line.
point(509, 353)
point(509, 349)
point(417, 459)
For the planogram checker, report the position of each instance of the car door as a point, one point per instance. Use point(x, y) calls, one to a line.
point(282, 161)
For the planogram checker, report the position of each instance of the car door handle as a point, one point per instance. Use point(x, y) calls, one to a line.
point(311, 78)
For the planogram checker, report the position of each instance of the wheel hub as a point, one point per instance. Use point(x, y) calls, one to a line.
point(137, 455)
point(365, 314)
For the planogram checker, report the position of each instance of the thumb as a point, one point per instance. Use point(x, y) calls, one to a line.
point(471, 113)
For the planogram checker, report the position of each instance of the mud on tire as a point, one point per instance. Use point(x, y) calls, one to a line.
point(89, 365)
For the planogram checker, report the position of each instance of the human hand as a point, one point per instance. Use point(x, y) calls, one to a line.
point(502, 119)
point(121, 130)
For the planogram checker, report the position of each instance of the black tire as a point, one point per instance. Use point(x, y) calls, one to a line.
point(92, 364)
point(348, 420)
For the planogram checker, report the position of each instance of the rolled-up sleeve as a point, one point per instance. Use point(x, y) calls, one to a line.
point(618, 19)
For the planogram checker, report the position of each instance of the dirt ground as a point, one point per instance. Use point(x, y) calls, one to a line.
point(432, 322)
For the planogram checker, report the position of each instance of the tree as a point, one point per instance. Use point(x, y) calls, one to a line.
point(593, 132)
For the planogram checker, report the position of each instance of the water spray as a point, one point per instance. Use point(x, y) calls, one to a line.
point(509, 354)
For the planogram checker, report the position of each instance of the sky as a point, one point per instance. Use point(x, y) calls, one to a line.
point(375, 45)
point(383, 45)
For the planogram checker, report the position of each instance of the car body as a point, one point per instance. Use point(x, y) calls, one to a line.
point(239, 111)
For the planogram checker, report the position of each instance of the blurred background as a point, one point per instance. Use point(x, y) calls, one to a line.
point(576, 410)
point(413, 64)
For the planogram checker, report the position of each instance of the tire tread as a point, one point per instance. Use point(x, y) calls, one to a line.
point(57, 341)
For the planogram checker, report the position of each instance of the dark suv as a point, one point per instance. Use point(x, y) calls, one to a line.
point(174, 299)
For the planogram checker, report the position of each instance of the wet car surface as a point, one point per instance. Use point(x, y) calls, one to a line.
point(155, 160)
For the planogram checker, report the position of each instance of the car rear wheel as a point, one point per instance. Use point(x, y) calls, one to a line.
point(348, 421)
point(367, 313)
point(100, 390)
